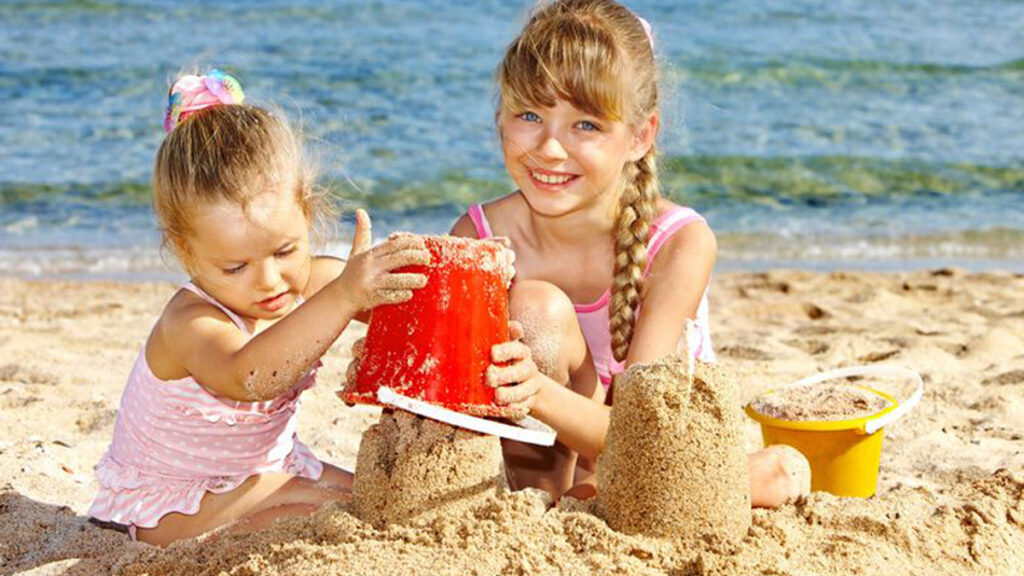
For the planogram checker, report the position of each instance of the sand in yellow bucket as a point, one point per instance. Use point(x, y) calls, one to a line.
point(844, 454)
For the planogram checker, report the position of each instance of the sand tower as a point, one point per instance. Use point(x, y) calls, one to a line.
point(674, 464)
point(411, 469)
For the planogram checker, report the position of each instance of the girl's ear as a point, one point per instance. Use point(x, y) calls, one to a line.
point(644, 137)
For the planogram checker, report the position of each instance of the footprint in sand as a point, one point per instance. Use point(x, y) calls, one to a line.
point(815, 312)
point(812, 347)
point(741, 352)
point(1005, 379)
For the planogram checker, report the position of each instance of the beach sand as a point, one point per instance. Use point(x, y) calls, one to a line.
point(950, 489)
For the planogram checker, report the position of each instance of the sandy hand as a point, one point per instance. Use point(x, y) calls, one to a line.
point(507, 258)
point(368, 280)
point(514, 374)
point(353, 366)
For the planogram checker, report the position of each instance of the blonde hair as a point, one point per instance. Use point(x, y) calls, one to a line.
point(228, 153)
point(596, 55)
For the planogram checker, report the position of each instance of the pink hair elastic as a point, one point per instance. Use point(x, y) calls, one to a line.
point(193, 93)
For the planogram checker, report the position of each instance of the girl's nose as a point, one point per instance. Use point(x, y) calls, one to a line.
point(269, 274)
point(551, 148)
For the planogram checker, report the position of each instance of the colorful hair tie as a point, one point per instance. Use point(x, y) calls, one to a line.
point(193, 93)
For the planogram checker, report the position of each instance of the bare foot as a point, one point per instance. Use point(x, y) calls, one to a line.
point(778, 474)
point(585, 490)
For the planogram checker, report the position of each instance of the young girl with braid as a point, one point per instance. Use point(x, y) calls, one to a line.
point(607, 270)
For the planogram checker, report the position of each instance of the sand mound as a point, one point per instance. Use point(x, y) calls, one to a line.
point(820, 402)
point(942, 507)
point(673, 464)
point(411, 468)
point(978, 528)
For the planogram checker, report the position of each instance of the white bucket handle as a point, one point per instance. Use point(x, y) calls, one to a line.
point(902, 408)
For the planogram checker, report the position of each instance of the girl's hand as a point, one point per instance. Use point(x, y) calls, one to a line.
point(514, 374)
point(367, 280)
point(507, 257)
point(352, 372)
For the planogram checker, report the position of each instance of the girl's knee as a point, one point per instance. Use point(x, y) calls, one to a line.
point(550, 327)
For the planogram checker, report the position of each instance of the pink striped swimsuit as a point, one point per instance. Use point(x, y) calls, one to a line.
point(593, 317)
point(174, 441)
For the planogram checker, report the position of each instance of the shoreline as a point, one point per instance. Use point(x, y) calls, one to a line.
point(905, 266)
point(66, 348)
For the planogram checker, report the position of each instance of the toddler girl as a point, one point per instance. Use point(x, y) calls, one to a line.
point(205, 434)
point(608, 271)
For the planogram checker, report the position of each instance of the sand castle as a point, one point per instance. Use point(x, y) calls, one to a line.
point(411, 469)
point(673, 464)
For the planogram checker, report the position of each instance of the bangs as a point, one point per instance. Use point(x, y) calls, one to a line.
point(565, 59)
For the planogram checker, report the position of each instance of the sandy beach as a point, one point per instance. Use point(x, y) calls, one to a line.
point(950, 489)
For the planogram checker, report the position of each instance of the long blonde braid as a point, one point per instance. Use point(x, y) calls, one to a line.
point(637, 207)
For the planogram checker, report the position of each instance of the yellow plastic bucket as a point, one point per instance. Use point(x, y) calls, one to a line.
point(844, 454)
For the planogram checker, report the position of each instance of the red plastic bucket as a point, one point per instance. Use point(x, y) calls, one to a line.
point(437, 346)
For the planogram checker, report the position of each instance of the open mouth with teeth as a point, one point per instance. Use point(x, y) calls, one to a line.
point(551, 179)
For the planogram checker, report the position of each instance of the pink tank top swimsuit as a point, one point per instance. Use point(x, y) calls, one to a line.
point(174, 441)
point(593, 317)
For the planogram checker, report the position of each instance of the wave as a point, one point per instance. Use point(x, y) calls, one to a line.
point(996, 248)
point(711, 180)
point(828, 179)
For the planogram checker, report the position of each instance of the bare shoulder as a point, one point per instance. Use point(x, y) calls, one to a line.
point(464, 227)
point(323, 270)
point(693, 249)
point(496, 212)
point(184, 324)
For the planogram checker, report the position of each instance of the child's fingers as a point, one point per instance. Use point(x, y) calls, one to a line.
point(502, 240)
point(400, 234)
point(498, 376)
point(364, 233)
point(397, 243)
point(402, 258)
point(341, 394)
point(509, 351)
point(518, 411)
point(519, 394)
point(402, 281)
point(351, 373)
point(515, 330)
point(358, 347)
point(392, 297)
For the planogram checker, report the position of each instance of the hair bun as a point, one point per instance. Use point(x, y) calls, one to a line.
point(193, 93)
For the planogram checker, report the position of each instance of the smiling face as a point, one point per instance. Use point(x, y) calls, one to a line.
point(564, 159)
point(254, 260)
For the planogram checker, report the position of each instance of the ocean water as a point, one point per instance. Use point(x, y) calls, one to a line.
point(846, 134)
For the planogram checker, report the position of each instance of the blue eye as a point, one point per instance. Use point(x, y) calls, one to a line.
point(530, 116)
point(588, 126)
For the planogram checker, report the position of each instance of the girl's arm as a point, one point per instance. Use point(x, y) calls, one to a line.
point(581, 420)
point(225, 361)
point(577, 411)
point(676, 283)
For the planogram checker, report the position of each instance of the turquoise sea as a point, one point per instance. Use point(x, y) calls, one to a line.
point(864, 134)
